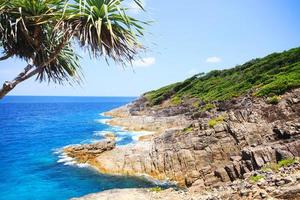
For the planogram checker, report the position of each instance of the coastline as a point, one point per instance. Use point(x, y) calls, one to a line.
point(204, 159)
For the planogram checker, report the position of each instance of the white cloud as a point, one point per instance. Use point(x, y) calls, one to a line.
point(134, 7)
point(213, 59)
point(144, 62)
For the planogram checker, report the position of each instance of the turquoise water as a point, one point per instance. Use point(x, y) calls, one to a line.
point(32, 131)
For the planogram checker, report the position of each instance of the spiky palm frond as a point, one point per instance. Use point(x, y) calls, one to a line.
point(27, 31)
point(104, 28)
point(65, 66)
point(23, 24)
point(42, 32)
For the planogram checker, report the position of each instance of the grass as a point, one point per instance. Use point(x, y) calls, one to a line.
point(273, 74)
point(156, 189)
point(276, 166)
point(256, 178)
point(287, 162)
point(215, 121)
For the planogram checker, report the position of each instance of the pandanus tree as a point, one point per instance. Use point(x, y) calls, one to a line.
point(43, 33)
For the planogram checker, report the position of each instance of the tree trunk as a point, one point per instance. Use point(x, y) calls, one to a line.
point(9, 85)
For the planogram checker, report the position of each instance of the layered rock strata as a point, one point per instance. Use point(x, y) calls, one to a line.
point(204, 149)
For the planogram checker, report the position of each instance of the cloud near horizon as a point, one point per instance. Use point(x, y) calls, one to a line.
point(213, 59)
point(144, 62)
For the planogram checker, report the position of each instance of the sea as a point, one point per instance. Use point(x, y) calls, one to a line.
point(33, 130)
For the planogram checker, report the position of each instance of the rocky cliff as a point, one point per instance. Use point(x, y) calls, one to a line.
point(247, 133)
point(209, 144)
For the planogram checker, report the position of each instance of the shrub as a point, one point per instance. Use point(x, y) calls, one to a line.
point(176, 101)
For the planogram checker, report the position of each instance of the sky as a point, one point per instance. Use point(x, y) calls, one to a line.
point(185, 38)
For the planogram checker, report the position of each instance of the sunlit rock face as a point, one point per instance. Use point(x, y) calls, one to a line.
point(188, 148)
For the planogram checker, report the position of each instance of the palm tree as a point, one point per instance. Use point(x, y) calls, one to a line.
point(43, 33)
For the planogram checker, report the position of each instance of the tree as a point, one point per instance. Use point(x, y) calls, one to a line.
point(43, 33)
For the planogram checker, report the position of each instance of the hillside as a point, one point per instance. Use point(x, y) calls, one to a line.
point(268, 76)
point(244, 148)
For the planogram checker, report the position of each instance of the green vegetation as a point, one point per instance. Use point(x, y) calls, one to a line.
point(256, 178)
point(208, 107)
point(273, 74)
point(215, 121)
point(43, 33)
point(270, 167)
point(176, 101)
point(196, 104)
point(156, 189)
point(273, 100)
point(276, 166)
point(188, 129)
point(287, 162)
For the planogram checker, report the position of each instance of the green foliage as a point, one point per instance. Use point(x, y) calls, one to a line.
point(287, 162)
point(156, 189)
point(196, 104)
point(256, 178)
point(215, 121)
point(270, 167)
point(273, 74)
point(176, 101)
point(188, 129)
point(282, 163)
point(43, 33)
point(208, 107)
point(273, 100)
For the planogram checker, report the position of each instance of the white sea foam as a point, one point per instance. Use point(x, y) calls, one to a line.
point(66, 160)
point(102, 121)
point(101, 133)
point(102, 114)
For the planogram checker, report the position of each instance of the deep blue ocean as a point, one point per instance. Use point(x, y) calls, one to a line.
point(34, 129)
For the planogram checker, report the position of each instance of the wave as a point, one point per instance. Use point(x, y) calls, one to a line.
point(64, 159)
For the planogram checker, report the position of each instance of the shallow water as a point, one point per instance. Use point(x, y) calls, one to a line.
point(32, 129)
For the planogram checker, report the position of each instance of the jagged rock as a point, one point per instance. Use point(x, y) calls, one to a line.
point(253, 134)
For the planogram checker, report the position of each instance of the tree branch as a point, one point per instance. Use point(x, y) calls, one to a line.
point(10, 85)
point(5, 57)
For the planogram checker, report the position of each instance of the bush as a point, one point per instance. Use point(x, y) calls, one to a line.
point(273, 74)
point(176, 101)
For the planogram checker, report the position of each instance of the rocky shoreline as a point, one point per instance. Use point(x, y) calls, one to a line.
point(205, 150)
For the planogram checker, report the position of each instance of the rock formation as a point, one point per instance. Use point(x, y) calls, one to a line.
point(202, 149)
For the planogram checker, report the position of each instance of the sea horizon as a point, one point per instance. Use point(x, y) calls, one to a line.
point(33, 132)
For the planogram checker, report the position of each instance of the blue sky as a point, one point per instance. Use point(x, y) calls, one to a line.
point(186, 37)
